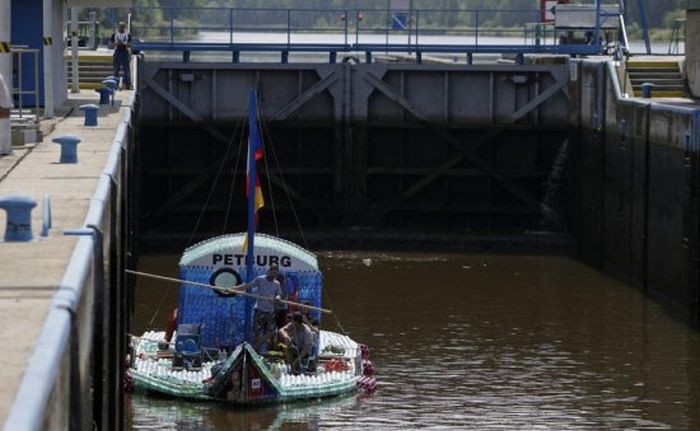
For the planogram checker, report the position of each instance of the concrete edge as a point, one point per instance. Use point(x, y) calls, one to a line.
point(28, 407)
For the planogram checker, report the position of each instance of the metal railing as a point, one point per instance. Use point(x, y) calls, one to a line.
point(295, 29)
point(88, 32)
point(18, 86)
point(677, 37)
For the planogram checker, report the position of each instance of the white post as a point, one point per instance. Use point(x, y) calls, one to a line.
point(75, 78)
point(48, 58)
point(5, 78)
point(5, 36)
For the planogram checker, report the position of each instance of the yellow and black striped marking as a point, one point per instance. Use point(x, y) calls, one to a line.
point(48, 40)
point(5, 47)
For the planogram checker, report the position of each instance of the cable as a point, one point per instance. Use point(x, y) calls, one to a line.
point(211, 190)
point(284, 184)
point(233, 185)
point(269, 182)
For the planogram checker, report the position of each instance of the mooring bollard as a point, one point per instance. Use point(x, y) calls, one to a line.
point(647, 88)
point(90, 110)
point(105, 92)
point(69, 148)
point(111, 83)
point(19, 217)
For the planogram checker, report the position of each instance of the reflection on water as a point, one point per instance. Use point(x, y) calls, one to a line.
point(476, 342)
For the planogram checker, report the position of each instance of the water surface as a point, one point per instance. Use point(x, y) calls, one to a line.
point(475, 342)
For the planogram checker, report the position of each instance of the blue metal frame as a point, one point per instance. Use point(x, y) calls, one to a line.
point(353, 25)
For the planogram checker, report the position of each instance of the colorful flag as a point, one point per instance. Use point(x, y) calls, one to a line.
point(254, 145)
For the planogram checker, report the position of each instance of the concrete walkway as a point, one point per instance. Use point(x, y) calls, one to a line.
point(30, 273)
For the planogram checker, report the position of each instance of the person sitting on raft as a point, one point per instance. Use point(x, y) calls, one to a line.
point(298, 341)
point(313, 325)
point(268, 288)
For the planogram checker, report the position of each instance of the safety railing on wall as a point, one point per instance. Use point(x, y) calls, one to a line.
point(81, 320)
point(676, 45)
point(411, 30)
point(19, 87)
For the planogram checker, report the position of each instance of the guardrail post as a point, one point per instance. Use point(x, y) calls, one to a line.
point(289, 28)
point(98, 341)
point(345, 22)
point(74, 390)
point(230, 26)
point(172, 26)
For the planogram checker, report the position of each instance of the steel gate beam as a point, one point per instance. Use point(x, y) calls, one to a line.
point(192, 185)
point(304, 97)
point(468, 151)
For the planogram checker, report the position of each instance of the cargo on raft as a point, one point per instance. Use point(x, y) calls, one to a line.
point(201, 364)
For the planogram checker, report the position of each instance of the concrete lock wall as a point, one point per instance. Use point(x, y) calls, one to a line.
point(74, 377)
point(635, 189)
point(457, 148)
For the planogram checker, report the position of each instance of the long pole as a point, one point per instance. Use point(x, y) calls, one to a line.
point(48, 58)
point(252, 141)
point(250, 255)
point(225, 290)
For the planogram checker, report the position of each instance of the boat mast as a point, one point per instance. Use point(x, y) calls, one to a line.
point(253, 144)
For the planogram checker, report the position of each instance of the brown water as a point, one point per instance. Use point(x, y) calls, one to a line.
point(476, 342)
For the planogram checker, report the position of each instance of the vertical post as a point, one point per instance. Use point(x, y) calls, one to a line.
point(230, 26)
point(347, 17)
point(75, 75)
point(172, 26)
point(389, 23)
point(20, 84)
point(93, 30)
point(6, 73)
point(5, 36)
point(37, 104)
point(48, 58)
point(289, 28)
point(252, 146)
point(596, 39)
point(476, 28)
point(417, 26)
point(645, 25)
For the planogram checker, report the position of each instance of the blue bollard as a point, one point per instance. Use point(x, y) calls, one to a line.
point(19, 217)
point(111, 83)
point(69, 148)
point(647, 88)
point(105, 92)
point(90, 113)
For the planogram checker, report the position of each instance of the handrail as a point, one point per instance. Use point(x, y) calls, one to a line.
point(355, 29)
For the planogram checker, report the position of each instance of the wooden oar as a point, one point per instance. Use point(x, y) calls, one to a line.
point(226, 290)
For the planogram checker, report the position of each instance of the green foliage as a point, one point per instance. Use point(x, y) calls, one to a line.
point(494, 14)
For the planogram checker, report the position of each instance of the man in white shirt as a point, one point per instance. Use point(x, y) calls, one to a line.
point(121, 42)
point(269, 289)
